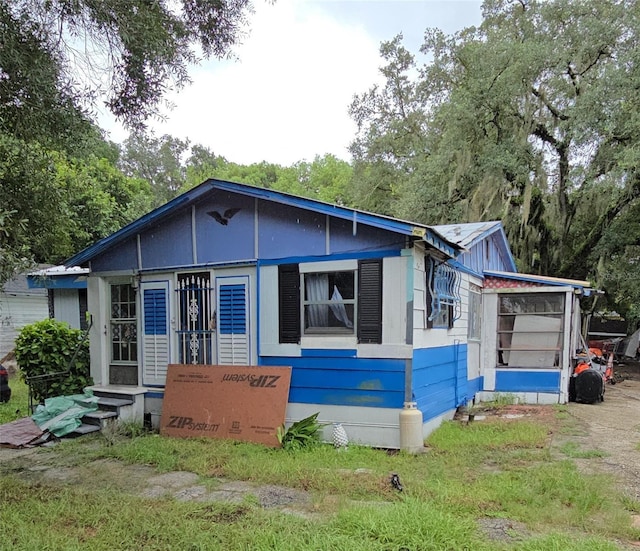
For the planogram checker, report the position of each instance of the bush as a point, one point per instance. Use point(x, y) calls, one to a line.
point(51, 346)
point(301, 434)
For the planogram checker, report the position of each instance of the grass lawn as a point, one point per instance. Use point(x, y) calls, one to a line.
point(491, 485)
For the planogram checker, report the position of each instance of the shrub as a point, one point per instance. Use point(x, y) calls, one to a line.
point(301, 434)
point(51, 346)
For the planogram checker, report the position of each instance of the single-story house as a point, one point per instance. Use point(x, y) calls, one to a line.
point(372, 313)
point(19, 306)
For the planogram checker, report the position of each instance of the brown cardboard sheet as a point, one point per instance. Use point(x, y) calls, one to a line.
point(239, 402)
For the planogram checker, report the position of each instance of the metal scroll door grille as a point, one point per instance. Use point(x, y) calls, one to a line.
point(196, 332)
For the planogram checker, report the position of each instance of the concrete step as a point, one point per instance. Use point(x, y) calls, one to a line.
point(112, 404)
point(83, 429)
point(98, 417)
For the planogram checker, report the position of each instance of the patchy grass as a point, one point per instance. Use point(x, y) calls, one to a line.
point(495, 469)
point(571, 449)
point(18, 406)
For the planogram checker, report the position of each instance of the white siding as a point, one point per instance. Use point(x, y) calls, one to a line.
point(66, 306)
point(16, 311)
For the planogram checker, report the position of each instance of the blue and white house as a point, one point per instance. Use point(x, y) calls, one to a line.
point(370, 312)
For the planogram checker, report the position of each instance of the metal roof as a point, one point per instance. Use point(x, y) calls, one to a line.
point(469, 234)
point(426, 233)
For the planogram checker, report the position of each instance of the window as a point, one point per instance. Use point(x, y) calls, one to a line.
point(443, 294)
point(475, 313)
point(530, 329)
point(124, 343)
point(329, 303)
point(344, 301)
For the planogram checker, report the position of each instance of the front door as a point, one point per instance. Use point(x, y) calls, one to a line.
point(196, 319)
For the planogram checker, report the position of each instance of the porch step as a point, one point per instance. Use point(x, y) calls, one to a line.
point(98, 417)
point(83, 429)
point(112, 404)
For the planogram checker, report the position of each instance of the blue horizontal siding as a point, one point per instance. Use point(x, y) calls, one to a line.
point(323, 353)
point(474, 386)
point(439, 381)
point(527, 381)
point(343, 381)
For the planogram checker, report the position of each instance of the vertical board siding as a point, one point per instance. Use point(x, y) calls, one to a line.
point(440, 379)
point(15, 313)
point(344, 381)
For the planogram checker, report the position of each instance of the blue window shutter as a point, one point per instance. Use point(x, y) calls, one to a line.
point(233, 310)
point(155, 312)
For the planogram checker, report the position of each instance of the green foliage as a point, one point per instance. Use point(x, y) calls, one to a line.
point(53, 204)
point(530, 118)
point(51, 346)
point(301, 434)
point(132, 52)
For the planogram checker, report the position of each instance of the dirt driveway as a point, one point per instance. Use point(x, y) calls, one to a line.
point(613, 427)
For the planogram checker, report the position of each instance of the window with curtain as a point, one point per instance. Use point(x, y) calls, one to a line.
point(329, 302)
point(332, 302)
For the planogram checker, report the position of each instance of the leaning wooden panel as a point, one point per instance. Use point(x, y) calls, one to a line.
point(215, 401)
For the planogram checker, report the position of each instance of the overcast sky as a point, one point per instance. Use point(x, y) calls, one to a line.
point(286, 98)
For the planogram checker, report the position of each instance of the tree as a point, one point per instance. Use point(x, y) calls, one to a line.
point(53, 205)
point(530, 118)
point(159, 161)
point(67, 52)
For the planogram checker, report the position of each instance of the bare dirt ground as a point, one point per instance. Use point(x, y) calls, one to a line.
point(613, 427)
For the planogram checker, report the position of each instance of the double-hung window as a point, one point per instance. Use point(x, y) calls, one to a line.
point(342, 298)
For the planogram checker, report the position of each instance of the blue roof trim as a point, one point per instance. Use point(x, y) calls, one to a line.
point(464, 269)
point(428, 234)
point(338, 256)
point(57, 282)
